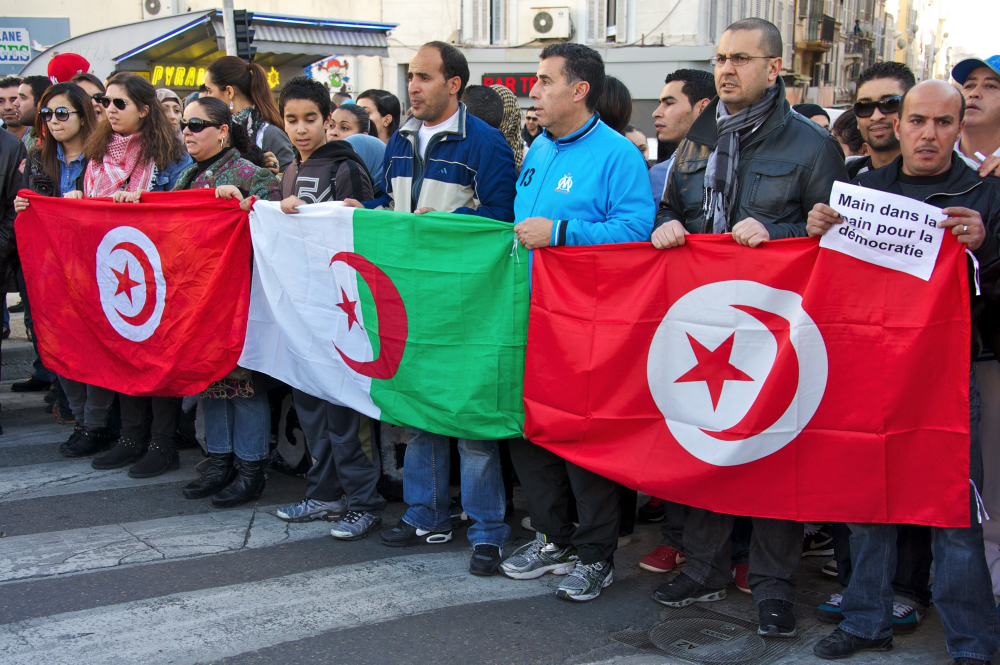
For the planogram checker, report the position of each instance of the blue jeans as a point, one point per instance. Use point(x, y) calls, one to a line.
point(963, 590)
point(426, 470)
point(241, 425)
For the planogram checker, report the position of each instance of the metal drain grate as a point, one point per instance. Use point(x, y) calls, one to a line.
point(700, 636)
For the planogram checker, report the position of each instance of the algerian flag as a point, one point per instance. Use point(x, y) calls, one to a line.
point(416, 320)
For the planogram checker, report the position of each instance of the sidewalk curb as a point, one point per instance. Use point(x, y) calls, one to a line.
point(17, 357)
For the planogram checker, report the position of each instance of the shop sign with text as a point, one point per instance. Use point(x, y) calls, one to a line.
point(519, 84)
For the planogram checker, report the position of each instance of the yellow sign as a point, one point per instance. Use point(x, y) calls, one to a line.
point(144, 75)
point(273, 79)
point(177, 76)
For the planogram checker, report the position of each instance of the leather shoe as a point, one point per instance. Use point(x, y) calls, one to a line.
point(839, 644)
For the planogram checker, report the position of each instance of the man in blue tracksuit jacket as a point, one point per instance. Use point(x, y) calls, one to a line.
point(581, 184)
point(447, 160)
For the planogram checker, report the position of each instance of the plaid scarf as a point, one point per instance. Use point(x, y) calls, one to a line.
point(121, 168)
point(720, 174)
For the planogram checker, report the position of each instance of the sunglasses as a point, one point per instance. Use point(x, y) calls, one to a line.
point(887, 105)
point(195, 125)
point(62, 114)
point(106, 102)
point(97, 96)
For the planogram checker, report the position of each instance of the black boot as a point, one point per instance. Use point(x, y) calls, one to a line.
point(89, 442)
point(219, 473)
point(160, 457)
point(73, 438)
point(248, 485)
point(125, 451)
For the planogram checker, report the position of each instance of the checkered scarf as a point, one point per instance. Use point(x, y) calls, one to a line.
point(720, 174)
point(510, 127)
point(121, 168)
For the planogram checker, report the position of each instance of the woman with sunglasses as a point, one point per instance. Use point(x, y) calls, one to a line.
point(54, 168)
point(94, 89)
point(137, 151)
point(236, 410)
point(243, 88)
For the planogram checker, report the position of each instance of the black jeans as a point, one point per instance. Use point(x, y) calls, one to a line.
point(775, 553)
point(548, 482)
point(152, 417)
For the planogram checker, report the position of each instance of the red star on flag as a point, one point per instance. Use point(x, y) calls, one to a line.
point(125, 283)
point(348, 306)
point(713, 368)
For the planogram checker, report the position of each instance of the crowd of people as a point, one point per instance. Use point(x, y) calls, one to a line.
point(571, 171)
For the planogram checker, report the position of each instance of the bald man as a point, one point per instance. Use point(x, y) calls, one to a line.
point(929, 122)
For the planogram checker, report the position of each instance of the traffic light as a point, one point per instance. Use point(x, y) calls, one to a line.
point(242, 20)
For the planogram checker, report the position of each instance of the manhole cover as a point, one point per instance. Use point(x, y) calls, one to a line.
point(707, 640)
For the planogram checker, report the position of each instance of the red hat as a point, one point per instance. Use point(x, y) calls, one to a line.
point(65, 66)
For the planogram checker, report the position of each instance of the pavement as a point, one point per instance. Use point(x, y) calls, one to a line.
point(17, 352)
point(96, 567)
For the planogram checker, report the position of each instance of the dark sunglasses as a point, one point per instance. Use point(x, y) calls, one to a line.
point(62, 114)
point(195, 125)
point(97, 96)
point(887, 105)
point(106, 101)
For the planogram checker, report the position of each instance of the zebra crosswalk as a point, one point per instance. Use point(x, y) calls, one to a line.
point(145, 576)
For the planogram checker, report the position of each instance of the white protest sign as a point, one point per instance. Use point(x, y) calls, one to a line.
point(885, 229)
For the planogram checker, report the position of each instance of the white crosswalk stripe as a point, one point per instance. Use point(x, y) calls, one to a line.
point(205, 625)
point(110, 546)
point(34, 481)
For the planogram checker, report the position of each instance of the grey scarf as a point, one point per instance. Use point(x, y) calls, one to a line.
point(720, 174)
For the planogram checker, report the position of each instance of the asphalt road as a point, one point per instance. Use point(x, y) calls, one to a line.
point(98, 568)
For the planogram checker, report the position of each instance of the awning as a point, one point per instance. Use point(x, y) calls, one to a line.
point(198, 38)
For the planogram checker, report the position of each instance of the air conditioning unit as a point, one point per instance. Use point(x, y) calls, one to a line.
point(550, 23)
point(157, 8)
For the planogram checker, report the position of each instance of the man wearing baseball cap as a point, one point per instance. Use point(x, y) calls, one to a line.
point(980, 142)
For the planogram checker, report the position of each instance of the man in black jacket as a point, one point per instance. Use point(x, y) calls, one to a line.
point(12, 153)
point(930, 120)
point(751, 167)
point(880, 88)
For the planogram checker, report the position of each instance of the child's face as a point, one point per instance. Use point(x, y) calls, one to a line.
point(305, 127)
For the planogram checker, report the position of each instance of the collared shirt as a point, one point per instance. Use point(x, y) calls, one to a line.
point(68, 173)
point(973, 161)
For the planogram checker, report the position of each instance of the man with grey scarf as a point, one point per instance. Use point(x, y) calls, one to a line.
point(751, 167)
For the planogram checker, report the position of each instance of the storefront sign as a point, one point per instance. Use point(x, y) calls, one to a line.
point(519, 84)
point(15, 46)
point(177, 76)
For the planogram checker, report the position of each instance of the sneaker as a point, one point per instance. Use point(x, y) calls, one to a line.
point(740, 571)
point(538, 557)
point(776, 619)
point(829, 611)
point(683, 591)
point(830, 568)
point(355, 525)
point(310, 510)
point(485, 560)
point(817, 540)
point(971, 661)
point(839, 644)
point(662, 560)
point(905, 617)
point(526, 523)
point(405, 534)
point(586, 581)
point(625, 540)
point(652, 511)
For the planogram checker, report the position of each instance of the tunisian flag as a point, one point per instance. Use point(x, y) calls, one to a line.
point(146, 298)
point(782, 381)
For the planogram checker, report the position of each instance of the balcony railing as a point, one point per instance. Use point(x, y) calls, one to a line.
point(821, 29)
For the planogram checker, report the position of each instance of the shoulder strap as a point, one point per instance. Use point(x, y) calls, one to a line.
point(288, 179)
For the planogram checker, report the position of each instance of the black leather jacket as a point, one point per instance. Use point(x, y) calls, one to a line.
point(11, 153)
point(785, 167)
point(964, 188)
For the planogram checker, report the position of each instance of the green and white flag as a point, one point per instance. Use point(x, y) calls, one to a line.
point(417, 320)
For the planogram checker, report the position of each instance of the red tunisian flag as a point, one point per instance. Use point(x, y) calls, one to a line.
point(782, 381)
point(146, 298)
